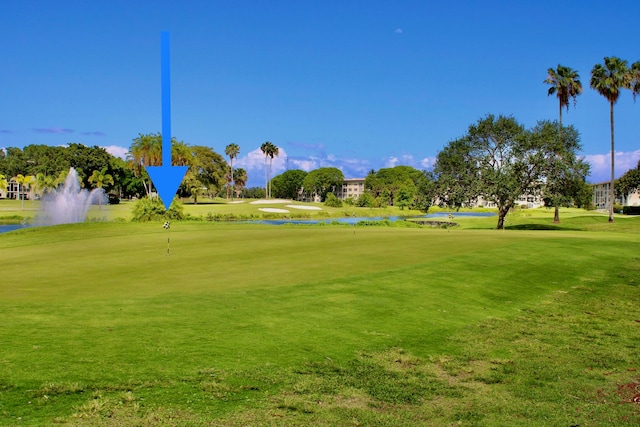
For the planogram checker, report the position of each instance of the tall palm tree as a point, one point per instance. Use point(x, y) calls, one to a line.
point(565, 83)
point(608, 80)
point(270, 151)
point(232, 150)
point(273, 152)
point(146, 150)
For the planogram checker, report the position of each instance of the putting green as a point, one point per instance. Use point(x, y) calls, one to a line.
point(103, 305)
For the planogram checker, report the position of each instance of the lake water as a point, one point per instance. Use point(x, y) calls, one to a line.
point(10, 227)
point(350, 220)
point(355, 220)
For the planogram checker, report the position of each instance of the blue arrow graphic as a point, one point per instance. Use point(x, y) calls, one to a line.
point(166, 178)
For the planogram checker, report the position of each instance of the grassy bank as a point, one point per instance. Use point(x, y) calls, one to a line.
point(261, 325)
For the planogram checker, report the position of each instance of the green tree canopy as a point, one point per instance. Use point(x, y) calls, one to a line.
point(628, 182)
point(564, 173)
point(507, 160)
point(288, 184)
point(209, 168)
point(323, 180)
point(386, 184)
point(456, 174)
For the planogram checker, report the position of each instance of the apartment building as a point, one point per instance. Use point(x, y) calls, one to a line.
point(351, 187)
point(601, 196)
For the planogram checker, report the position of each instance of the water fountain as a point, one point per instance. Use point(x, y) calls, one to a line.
point(69, 202)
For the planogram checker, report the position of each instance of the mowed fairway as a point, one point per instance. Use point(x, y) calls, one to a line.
point(304, 325)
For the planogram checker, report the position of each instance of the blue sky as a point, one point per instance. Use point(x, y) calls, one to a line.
point(352, 84)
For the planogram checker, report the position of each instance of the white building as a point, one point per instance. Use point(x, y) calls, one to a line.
point(601, 196)
point(351, 187)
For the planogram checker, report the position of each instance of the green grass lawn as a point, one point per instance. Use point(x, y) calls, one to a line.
point(322, 325)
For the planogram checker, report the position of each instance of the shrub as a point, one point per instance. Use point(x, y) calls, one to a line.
point(332, 201)
point(631, 210)
point(152, 209)
point(350, 201)
point(617, 207)
point(365, 200)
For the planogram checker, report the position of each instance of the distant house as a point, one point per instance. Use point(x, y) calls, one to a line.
point(12, 191)
point(601, 196)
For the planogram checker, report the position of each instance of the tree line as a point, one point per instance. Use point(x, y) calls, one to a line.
point(497, 160)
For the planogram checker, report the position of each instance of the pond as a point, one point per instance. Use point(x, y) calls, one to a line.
point(355, 220)
point(350, 220)
point(9, 227)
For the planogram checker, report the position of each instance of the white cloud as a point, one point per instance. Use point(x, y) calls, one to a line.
point(305, 165)
point(391, 162)
point(398, 31)
point(427, 162)
point(409, 160)
point(116, 151)
point(601, 164)
point(253, 163)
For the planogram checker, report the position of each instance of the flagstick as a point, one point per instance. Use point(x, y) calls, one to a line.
point(167, 226)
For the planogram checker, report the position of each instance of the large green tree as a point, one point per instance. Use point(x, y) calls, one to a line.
point(456, 175)
point(322, 181)
point(564, 173)
point(288, 184)
point(609, 79)
point(507, 159)
point(387, 182)
point(209, 168)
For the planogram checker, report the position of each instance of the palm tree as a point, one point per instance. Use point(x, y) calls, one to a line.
point(565, 83)
point(146, 150)
point(3, 183)
point(270, 151)
point(608, 80)
point(99, 179)
point(635, 79)
point(24, 182)
point(240, 181)
point(232, 151)
point(43, 184)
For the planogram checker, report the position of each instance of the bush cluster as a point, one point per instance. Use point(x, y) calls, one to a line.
point(152, 209)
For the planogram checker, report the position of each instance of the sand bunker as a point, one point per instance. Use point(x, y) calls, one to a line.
point(276, 210)
point(268, 201)
point(309, 208)
point(236, 201)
